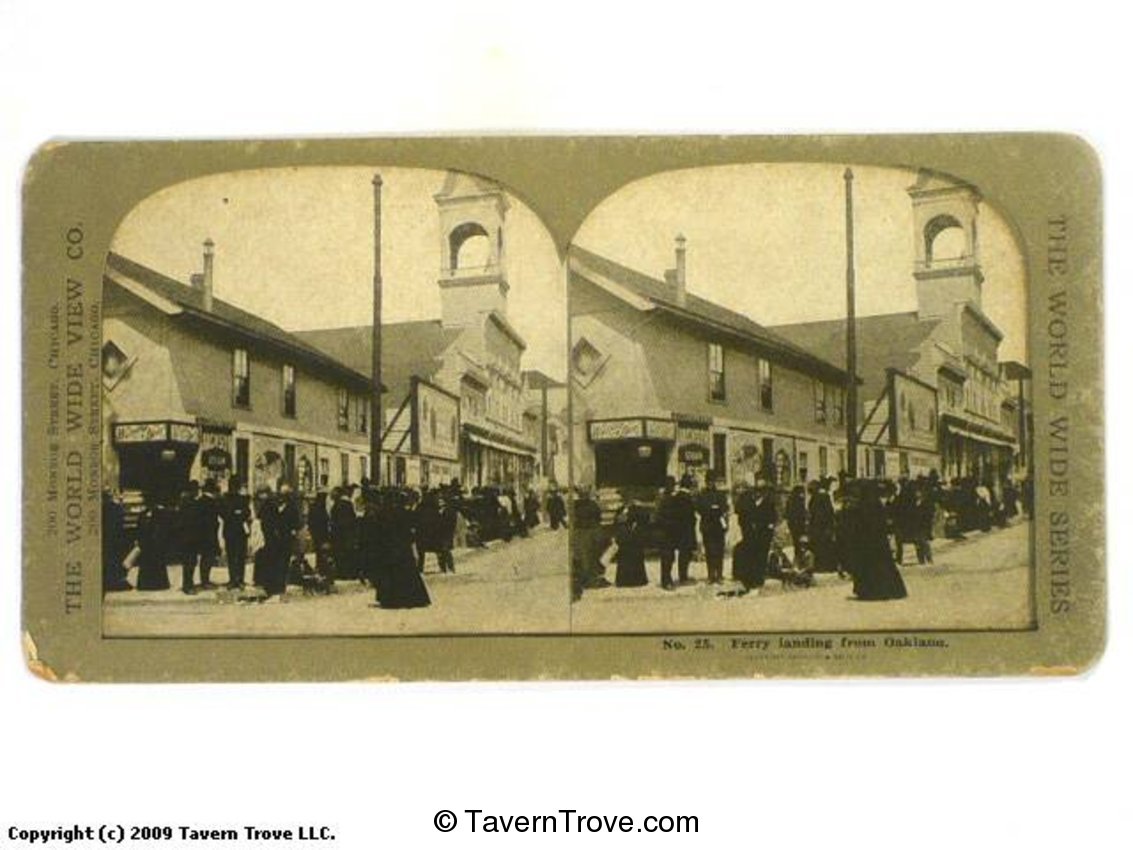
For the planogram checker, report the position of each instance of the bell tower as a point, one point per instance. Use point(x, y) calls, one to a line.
point(473, 274)
point(947, 265)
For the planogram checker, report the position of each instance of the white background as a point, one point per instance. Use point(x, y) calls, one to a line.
point(880, 764)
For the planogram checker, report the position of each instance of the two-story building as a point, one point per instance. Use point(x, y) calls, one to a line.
point(196, 388)
point(456, 406)
point(665, 383)
point(934, 393)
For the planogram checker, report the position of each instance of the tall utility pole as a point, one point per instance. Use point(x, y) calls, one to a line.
point(545, 459)
point(851, 336)
point(377, 424)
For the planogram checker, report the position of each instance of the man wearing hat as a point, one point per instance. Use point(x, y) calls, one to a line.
point(208, 530)
point(676, 520)
point(236, 514)
point(712, 505)
point(763, 519)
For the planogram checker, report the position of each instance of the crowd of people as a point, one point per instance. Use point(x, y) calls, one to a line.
point(380, 536)
point(860, 529)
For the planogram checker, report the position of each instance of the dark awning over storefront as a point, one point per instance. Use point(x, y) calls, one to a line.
point(492, 439)
point(988, 439)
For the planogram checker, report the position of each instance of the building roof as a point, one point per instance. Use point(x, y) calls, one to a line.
point(661, 294)
point(408, 349)
point(538, 380)
point(887, 341)
point(189, 300)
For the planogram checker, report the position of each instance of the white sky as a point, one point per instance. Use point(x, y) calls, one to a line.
point(296, 247)
point(768, 240)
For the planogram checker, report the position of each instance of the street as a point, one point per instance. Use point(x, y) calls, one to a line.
point(517, 587)
point(981, 582)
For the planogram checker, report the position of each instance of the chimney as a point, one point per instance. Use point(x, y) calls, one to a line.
point(679, 272)
point(206, 277)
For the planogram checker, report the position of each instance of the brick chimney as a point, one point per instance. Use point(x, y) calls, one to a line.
point(679, 272)
point(203, 280)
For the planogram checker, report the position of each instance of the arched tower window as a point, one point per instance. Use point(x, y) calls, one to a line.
point(945, 239)
point(469, 247)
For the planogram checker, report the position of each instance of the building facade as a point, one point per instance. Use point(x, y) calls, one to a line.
point(934, 394)
point(195, 389)
point(467, 363)
point(667, 383)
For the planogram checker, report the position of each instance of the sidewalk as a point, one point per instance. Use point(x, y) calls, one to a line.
point(221, 595)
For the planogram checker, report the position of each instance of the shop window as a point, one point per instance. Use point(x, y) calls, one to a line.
point(324, 472)
point(766, 388)
point(343, 409)
point(289, 405)
point(306, 475)
point(344, 468)
point(720, 456)
point(290, 470)
point(823, 462)
point(782, 469)
point(804, 467)
point(241, 379)
point(717, 388)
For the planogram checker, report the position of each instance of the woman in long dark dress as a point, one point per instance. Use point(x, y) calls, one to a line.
point(629, 534)
point(154, 541)
point(876, 576)
point(398, 581)
point(823, 522)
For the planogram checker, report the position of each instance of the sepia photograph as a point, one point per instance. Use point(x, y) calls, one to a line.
point(800, 402)
point(333, 403)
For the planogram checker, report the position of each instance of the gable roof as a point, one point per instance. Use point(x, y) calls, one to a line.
point(658, 294)
point(886, 341)
point(408, 349)
point(189, 301)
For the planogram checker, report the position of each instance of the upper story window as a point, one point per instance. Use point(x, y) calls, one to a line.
point(288, 390)
point(717, 388)
point(586, 359)
point(361, 414)
point(241, 379)
point(819, 402)
point(343, 409)
point(766, 387)
point(837, 405)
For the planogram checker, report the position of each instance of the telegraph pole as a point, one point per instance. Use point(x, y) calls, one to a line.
point(376, 420)
point(851, 336)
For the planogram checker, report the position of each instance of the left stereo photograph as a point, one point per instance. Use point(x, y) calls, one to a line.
point(333, 403)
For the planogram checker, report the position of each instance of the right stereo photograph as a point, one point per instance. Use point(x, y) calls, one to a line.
point(800, 402)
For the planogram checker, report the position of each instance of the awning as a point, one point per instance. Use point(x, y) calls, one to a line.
point(500, 442)
point(979, 438)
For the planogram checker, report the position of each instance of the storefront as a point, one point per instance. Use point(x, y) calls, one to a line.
point(632, 454)
point(155, 458)
point(488, 458)
point(970, 451)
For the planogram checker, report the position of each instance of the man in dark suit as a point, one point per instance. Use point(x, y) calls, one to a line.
point(712, 506)
point(762, 519)
point(236, 514)
point(676, 521)
point(208, 531)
